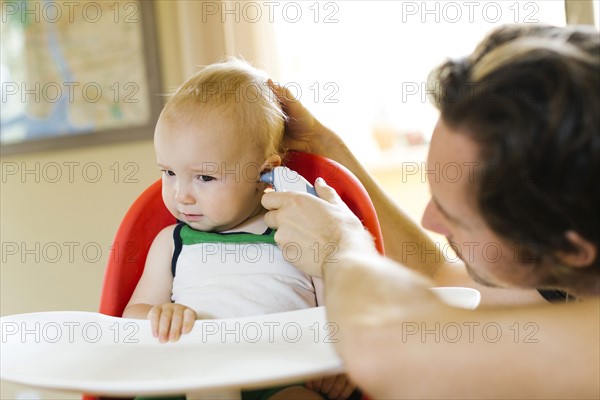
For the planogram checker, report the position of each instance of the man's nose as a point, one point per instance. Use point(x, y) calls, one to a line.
point(433, 220)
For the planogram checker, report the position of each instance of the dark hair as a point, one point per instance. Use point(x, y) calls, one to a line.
point(530, 97)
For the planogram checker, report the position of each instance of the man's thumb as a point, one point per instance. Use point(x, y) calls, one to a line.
point(325, 191)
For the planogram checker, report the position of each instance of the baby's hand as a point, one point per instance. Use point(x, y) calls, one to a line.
point(337, 387)
point(170, 320)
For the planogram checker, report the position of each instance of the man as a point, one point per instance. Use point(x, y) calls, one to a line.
point(520, 118)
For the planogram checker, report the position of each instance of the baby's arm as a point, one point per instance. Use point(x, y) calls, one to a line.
point(151, 298)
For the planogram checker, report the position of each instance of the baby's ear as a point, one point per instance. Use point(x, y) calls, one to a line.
point(270, 163)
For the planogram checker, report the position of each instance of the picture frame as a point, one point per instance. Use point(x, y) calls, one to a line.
point(91, 74)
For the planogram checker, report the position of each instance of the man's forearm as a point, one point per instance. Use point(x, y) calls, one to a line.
point(397, 341)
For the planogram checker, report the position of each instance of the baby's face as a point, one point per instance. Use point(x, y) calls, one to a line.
point(209, 171)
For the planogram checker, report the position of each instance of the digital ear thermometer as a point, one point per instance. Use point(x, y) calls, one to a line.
point(284, 179)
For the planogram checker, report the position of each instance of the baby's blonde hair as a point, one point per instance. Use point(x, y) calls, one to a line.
point(240, 92)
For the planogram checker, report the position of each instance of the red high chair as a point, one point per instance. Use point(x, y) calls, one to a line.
point(148, 215)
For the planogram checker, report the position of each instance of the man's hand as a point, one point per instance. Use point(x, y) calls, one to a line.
point(313, 231)
point(169, 321)
point(303, 131)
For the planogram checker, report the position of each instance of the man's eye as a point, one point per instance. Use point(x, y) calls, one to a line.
point(205, 178)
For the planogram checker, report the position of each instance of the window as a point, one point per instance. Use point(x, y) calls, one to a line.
point(361, 68)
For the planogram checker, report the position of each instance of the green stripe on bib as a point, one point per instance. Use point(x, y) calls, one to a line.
point(191, 236)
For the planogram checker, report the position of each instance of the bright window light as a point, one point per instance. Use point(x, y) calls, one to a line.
point(361, 66)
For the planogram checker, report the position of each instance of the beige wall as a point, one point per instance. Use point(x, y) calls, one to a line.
point(53, 204)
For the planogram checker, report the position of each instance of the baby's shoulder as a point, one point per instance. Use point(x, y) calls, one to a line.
point(166, 234)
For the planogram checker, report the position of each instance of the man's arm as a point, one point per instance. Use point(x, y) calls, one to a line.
point(304, 132)
point(398, 341)
point(405, 242)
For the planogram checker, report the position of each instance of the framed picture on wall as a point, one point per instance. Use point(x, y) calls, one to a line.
point(77, 73)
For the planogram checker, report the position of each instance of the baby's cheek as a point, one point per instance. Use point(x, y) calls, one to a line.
point(217, 208)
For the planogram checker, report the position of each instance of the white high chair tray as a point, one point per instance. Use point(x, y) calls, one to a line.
point(93, 353)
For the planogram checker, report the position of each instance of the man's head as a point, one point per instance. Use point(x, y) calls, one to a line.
point(216, 134)
point(526, 104)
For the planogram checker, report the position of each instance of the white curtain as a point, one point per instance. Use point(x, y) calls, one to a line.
point(196, 33)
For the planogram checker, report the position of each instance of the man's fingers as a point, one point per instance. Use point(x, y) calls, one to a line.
point(275, 200)
point(326, 192)
point(272, 200)
point(283, 94)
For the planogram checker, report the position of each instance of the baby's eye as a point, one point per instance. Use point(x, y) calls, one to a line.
point(170, 173)
point(206, 178)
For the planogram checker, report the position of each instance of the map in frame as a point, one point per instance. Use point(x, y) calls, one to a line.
point(73, 69)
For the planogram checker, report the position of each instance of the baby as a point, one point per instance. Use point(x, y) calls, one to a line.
point(219, 131)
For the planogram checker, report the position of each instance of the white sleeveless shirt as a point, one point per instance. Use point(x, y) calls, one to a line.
point(228, 275)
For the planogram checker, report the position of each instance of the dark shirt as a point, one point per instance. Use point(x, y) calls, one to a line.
point(556, 296)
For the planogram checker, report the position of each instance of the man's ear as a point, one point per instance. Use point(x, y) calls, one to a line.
point(584, 255)
point(270, 163)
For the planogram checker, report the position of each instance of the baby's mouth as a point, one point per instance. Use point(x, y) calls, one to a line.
point(192, 217)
